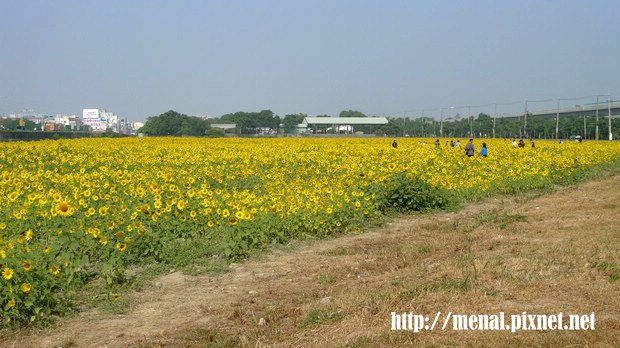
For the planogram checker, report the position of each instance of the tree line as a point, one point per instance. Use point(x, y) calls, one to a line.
point(172, 123)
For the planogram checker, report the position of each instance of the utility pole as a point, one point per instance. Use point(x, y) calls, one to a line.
point(441, 124)
point(596, 131)
point(557, 118)
point(519, 125)
point(609, 115)
point(585, 132)
point(525, 120)
point(452, 115)
point(494, 117)
point(423, 123)
point(471, 122)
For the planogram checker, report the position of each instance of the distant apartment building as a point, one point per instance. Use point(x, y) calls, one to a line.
point(48, 121)
point(98, 120)
point(34, 117)
point(70, 121)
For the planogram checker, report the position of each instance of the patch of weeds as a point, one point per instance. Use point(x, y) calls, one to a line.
point(139, 276)
point(523, 188)
point(502, 219)
point(383, 296)
point(492, 293)
point(604, 266)
point(238, 314)
point(97, 294)
point(506, 275)
point(339, 251)
point(318, 316)
point(396, 282)
point(207, 265)
point(213, 338)
point(182, 252)
point(409, 295)
point(486, 217)
point(113, 303)
point(610, 269)
point(548, 263)
point(286, 247)
point(451, 285)
point(527, 196)
point(326, 279)
point(424, 249)
point(516, 218)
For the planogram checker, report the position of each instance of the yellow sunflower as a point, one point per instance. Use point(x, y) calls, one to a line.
point(25, 287)
point(27, 265)
point(7, 273)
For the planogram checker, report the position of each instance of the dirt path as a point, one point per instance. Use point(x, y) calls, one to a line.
point(555, 253)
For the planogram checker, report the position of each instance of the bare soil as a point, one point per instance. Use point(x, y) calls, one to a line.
point(558, 252)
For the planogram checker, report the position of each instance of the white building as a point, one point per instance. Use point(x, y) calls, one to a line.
point(67, 120)
point(342, 124)
point(110, 120)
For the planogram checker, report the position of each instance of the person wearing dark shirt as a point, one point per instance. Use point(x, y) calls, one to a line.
point(469, 148)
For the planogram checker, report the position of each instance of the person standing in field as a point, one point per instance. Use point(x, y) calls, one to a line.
point(394, 144)
point(469, 148)
point(483, 151)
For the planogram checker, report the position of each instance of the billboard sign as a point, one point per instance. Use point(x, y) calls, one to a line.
point(90, 113)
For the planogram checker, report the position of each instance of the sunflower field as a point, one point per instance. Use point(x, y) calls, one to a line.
point(75, 210)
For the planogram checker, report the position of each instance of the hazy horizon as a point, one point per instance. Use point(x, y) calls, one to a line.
point(143, 58)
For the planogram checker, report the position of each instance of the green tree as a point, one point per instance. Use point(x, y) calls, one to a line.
point(291, 121)
point(12, 124)
point(351, 113)
point(247, 122)
point(393, 127)
point(215, 133)
point(174, 123)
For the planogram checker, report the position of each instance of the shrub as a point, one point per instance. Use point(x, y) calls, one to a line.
point(405, 193)
point(215, 133)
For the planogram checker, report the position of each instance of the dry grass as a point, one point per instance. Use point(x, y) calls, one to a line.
point(543, 255)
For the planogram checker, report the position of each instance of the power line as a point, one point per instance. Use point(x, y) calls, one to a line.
point(508, 103)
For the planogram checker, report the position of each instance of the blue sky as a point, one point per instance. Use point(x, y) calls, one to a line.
point(142, 58)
